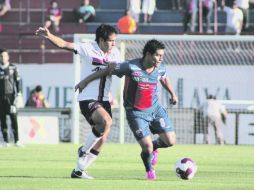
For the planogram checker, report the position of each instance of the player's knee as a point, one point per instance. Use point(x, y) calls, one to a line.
point(171, 139)
point(168, 142)
point(147, 148)
point(172, 142)
point(108, 122)
point(104, 125)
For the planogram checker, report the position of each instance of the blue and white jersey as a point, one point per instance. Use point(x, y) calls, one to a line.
point(140, 90)
point(93, 59)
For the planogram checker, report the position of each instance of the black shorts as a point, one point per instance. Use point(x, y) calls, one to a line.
point(87, 108)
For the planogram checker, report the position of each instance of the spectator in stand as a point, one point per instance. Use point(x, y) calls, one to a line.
point(207, 11)
point(127, 24)
point(176, 4)
point(54, 16)
point(234, 19)
point(148, 7)
point(244, 6)
point(37, 99)
point(190, 9)
point(84, 13)
point(134, 6)
point(5, 6)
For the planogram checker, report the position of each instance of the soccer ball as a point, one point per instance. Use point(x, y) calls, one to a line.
point(185, 168)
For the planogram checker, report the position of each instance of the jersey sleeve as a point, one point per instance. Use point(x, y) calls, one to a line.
point(122, 69)
point(162, 72)
point(17, 80)
point(81, 48)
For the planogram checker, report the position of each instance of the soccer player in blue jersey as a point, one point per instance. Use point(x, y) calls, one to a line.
point(144, 113)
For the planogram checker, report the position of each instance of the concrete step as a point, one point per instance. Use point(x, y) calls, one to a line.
point(112, 4)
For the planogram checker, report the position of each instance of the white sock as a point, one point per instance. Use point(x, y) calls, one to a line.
point(90, 159)
point(90, 142)
point(86, 160)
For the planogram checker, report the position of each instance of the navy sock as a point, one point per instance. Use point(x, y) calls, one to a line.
point(147, 160)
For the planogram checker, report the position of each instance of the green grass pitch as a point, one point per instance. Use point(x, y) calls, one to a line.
point(119, 167)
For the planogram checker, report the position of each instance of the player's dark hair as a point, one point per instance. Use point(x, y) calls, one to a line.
point(3, 50)
point(38, 88)
point(210, 96)
point(152, 46)
point(1, 57)
point(104, 31)
point(52, 1)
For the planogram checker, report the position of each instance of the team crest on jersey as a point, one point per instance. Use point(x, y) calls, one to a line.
point(11, 71)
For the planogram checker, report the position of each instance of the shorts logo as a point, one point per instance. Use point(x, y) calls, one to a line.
point(139, 133)
point(90, 105)
point(162, 122)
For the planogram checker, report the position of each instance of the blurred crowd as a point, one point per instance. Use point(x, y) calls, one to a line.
point(197, 15)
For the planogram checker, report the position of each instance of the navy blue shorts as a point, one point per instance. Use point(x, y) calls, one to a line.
point(144, 123)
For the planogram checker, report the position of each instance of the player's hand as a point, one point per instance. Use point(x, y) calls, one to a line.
point(173, 100)
point(42, 32)
point(80, 86)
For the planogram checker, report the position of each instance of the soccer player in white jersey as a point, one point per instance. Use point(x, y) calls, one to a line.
point(93, 101)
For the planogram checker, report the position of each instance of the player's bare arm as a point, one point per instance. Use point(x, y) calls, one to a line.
point(57, 41)
point(165, 82)
point(96, 75)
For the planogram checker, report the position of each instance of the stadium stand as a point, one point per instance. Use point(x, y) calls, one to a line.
point(25, 16)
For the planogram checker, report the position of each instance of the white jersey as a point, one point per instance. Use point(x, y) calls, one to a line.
point(148, 6)
point(234, 19)
point(93, 59)
point(244, 4)
point(134, 6)
point(213, 109)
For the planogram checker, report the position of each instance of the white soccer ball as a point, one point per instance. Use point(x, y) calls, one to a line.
point(185, 168)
